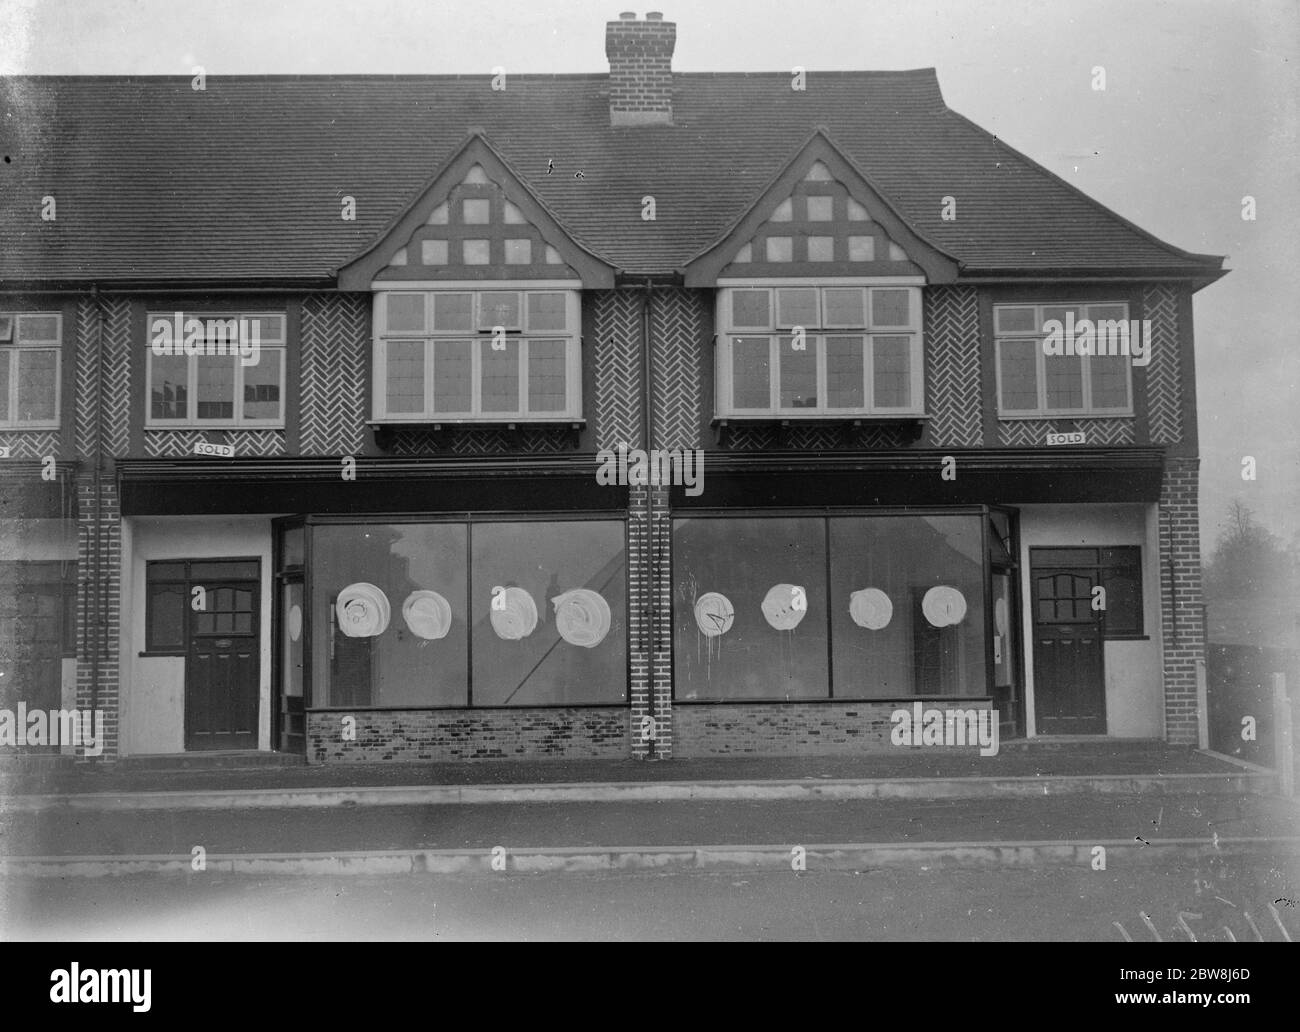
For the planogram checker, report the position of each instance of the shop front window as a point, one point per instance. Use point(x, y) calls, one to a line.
point(457, 614)
point(852, 607)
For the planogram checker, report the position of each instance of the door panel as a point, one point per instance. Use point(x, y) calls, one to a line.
point(1069, 677)
point(222, 671)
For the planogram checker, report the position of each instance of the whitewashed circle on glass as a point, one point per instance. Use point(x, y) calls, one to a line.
point(363, 610)
point(513, 614)
point(1000, 618)
point(295, 623)
point(781, 607)
point(427, 614)
point(714, 614)
point(944, 605)
point(871, 608)
point(582, 617)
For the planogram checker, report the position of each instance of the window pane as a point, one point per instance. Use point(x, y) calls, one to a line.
point(1060, 313)
point(798, 373)
point(751, 651)
point(453, 313)
point(166, 616)
point(38, 328)
point(38, 384)
point(406, 312)
point(406, 664)
point(1064, 375)
point(404, 389)
point(1122, 578)
point(1019, 371)
point(500, 375)
point(1109, 381)
point(892, 372)
point(169, 390)
point(750, 373)
point(797, 306)
point(751, 309)
point(292, 545)
point(262, 386)
point(5, 359)
point(897, 650)
point(546, 311)
point(548, 560)
point(844, 307)
point(216, 387)
point(546, 375)
point(453, 388)
point(499, 308)
point(891, 308)
point(269, 328)
point(213, 570)
point(844, 369)
point(165, 571)
point(1014, 320)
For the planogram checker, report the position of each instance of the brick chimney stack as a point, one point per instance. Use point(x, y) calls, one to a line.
point(640, 69)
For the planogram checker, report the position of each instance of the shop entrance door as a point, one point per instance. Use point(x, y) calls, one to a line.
point(1069, 677)
point(222, 669)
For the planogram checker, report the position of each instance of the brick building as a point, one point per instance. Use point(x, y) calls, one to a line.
point(308, 382)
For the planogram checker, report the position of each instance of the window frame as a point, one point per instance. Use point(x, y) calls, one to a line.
point(279, 349)
point(817, 340)
point(570, 336)
point(1088, 409)
point(11, 351)
point(187, 582)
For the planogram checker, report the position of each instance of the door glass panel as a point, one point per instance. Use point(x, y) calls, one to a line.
point(291, 621)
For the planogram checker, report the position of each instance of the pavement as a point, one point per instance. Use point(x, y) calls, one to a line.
point(1143, 803)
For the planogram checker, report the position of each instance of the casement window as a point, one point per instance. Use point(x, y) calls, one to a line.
point(820, 351)
point(216, 369)
point(1034, 384)
point(1118, 570)
point(30, 345)
point(477, 355)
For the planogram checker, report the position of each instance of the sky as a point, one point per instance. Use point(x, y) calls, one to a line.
point(1198, 112)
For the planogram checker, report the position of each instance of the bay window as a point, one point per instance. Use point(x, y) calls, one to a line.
point(820, 351)
point(1033, 383)
point(465, 355)
point(30, 344)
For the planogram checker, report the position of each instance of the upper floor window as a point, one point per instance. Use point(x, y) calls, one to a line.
point(477, 355)
point(30, 345)
point(1034, 383)
point(216, 369)
point(820, 351)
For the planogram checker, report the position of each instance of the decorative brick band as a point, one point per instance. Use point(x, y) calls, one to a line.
point(97, 639)
point(443, 735)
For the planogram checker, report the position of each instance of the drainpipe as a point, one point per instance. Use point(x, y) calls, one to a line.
point(94, 630)
point(647, 429)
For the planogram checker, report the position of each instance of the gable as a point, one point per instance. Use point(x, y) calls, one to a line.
point(821, 218)
point(475, 221)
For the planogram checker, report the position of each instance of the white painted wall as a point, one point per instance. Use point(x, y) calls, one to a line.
point(153, 687)
point(1134, 672)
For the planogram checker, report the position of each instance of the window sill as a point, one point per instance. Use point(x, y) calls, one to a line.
point(6, 428)
point(162, 655)
point(163, 427)
point(383, 429)
point(1052, 416)
point(912, 423)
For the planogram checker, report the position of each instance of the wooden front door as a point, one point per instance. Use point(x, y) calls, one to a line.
point(222, 671)
point(1069, 678)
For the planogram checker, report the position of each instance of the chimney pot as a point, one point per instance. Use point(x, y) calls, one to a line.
point(654, 16)
point(628, 15)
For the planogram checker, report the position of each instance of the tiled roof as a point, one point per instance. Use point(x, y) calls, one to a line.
point(243, 182)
